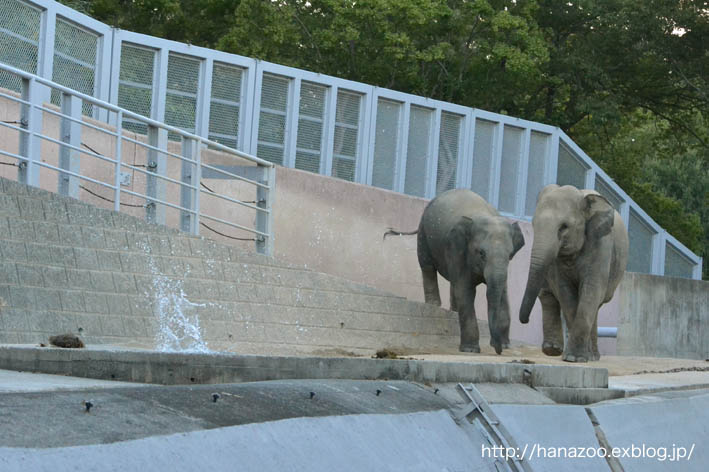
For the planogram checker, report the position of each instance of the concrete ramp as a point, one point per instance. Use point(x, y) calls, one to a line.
point(551, 437)
point(429, 441)
point(658, 432)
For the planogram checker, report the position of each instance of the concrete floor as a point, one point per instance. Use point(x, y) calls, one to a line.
point(346, 425)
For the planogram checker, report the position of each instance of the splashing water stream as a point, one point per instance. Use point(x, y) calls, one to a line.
point(178, 327)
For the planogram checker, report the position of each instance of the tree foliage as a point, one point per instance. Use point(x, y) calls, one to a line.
point(626, 79)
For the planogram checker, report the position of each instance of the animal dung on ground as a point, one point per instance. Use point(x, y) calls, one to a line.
point(386, 354)
point(66, 340)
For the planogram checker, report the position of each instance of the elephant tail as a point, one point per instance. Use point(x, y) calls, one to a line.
point(399, 233)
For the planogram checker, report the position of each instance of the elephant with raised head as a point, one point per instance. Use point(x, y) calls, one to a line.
point(579, 255)
point(463, 238)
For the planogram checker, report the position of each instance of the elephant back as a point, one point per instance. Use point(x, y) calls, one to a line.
point(444, 211)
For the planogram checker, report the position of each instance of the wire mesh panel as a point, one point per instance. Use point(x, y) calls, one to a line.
point(225, 104)
point(640, 235)
point(485, 133)
point(272, 118)
point(135, 84)
point(509, 168)
point(386, 143)
point(75, 54)
point(448, 152)
point(19, 40)
point(418, 154)
point(181, 94)
point(605, 190)
point(310, 126)
point(346, 145)
point(676, 264)
point(570, 170)
point(539, 146)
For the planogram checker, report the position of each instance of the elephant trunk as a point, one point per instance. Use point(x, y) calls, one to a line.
point(543, 253)
point(498, 314)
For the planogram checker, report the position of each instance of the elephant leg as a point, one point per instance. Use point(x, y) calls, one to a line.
point(553, 344)
point(581, 325)
point(595, 354)
point(465, 298)
point(428, 270)
point(569, 303)
point(431, 293)
point(454, 303)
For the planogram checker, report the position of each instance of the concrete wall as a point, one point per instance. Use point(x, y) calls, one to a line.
point(69, 266)
point(97, 141)
point(663, 317)
point(336, 227)
point(320, 223)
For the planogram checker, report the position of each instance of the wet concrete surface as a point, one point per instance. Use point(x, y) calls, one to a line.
point(59, 418)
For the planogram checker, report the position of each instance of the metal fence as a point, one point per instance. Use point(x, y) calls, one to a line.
point(318, 123)
point(160, 180)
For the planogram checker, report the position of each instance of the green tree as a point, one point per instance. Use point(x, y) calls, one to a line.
point(626, 79)
point(469, 52)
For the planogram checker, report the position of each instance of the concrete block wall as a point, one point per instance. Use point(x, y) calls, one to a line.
point(663, 317)
point(67, 266)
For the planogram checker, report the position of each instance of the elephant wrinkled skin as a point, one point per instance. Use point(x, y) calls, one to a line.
point(579, 255)
point(463, 238)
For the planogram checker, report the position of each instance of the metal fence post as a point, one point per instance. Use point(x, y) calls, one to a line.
point(119, 158)
point(31, 121)
point(188, 175)
point(197, 179)
point(523, 172)
point(264, 221)
point(434, 144)
point(552, 164)
point(70, 133)
point(495, 165)
point(157, 164)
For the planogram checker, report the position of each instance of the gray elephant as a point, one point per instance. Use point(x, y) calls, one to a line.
point(578, 258)
point(463, 238)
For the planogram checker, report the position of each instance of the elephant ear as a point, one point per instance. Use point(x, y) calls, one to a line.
point(599, 215)
point(517, 238)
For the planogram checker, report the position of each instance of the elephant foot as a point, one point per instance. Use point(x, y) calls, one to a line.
point(573, 358)
point(432, 300)
point(596, 356)
point(470, 348)
point(500, 346)
point(551, 349)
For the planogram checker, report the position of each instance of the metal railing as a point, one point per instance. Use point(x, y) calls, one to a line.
point(314, 122)
point(50, 139)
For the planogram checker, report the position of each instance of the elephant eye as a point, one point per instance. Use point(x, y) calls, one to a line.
point(481, 253)
point(562, 229)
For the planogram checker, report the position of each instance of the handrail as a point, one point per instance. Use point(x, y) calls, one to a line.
point(127, 113)
point(161, 160)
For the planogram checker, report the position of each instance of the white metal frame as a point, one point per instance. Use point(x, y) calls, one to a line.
point(29, 158)
point(106, 83)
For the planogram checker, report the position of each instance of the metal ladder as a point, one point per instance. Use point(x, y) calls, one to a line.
point(479, 413)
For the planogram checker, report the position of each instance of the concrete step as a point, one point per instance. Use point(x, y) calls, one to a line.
point(69, 266)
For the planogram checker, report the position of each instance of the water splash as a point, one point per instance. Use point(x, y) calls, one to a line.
point(178, 327)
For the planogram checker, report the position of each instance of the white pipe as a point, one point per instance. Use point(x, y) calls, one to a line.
point(607, 332)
